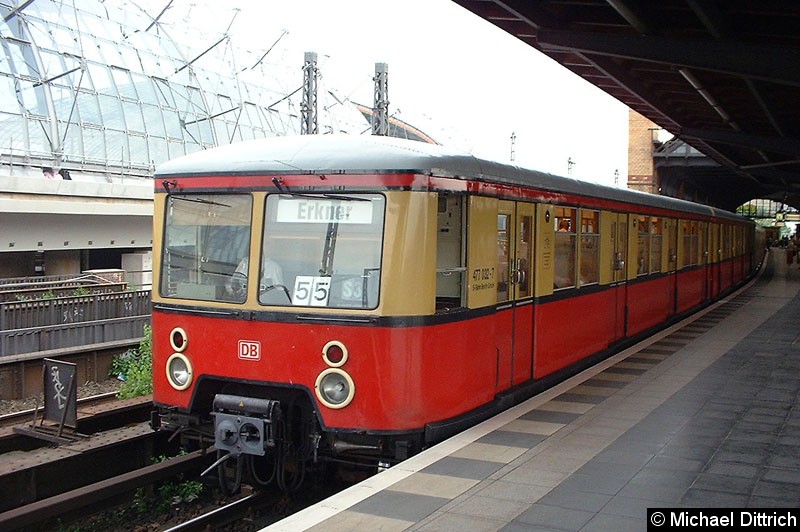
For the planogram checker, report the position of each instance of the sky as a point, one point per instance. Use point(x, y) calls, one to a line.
point(454, 76)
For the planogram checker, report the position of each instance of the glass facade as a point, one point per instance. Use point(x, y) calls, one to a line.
point(119, 87)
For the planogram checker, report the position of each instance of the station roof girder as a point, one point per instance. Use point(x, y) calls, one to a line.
point(723, 77)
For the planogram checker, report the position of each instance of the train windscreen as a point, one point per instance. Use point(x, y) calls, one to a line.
point(206, 245)
point(322, 250)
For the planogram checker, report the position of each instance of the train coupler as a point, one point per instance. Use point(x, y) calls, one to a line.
point(244, 425)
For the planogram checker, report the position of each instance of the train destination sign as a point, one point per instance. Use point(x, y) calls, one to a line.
point(313, 210)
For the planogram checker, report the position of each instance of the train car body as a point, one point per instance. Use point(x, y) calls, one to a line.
point(359, 297)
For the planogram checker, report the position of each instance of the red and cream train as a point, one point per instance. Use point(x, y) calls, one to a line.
point(358, 298)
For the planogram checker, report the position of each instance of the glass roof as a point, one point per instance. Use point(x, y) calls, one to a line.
point(119, 87)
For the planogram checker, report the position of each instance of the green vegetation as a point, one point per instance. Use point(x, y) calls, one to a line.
point(135, 368)
point(169, 494)
point(81, 291)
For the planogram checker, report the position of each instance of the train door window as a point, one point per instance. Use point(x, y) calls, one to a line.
point(322, 251)
point(503, 256)
point(565, 247)
point(725, 245)
point(671, 235)
point(690, 243)
point(450, 253)
point(522, 270)
point(702, 243)
point(619, 246)
point(590, 247)
point(656, 232)
point(643, 263)
point(206, 238)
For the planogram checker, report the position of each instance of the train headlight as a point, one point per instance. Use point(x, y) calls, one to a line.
point(334, 354)
point(179, 371)
point(178, 340)
point(335, 388)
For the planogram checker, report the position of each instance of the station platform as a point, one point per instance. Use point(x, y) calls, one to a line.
point(706, 414)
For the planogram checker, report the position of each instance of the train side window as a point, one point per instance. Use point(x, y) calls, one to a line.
point(590, 247)
point(450, 253)
point(643, 263)
point(565, 247)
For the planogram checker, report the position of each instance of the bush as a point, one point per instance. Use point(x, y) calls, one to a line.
point(135, 368)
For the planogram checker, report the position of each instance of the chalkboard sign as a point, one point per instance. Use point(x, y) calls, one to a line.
point(60, 392)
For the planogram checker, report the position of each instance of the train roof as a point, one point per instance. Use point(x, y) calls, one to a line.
point(354, 154)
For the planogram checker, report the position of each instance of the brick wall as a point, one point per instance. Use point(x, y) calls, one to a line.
point(640, 153)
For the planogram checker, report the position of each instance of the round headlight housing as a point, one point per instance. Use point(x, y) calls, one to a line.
point(335, 354)
point(178, 339)
point(335, 388)
point(179, 371)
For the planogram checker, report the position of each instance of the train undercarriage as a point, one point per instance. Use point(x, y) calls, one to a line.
point(278, 440)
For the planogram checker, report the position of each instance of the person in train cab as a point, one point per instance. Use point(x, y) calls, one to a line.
point(64, 173)
point(48, 173)
point(563, 226)
point(271, 275)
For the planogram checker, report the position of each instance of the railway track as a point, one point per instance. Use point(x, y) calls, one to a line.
point(15, 418)
point(97, 413)
point(42, 488)
point(77, 503)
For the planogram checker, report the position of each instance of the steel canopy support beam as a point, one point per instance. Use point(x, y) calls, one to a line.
point(774, 64)
point(757, 142)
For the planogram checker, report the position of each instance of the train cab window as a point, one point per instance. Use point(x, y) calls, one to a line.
point(450, 253)
point(322, 251)
point(656, 243)
point(205, 238)
point(565, 247)
point(690, 243)
point(590, 247)
point(643, 261)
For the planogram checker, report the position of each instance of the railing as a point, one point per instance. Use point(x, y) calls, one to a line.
point(64, 322)
point(82, 279)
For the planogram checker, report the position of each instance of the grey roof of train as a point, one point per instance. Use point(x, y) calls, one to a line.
point(354, 154)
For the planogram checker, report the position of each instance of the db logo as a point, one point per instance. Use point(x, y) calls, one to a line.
point(249, 350)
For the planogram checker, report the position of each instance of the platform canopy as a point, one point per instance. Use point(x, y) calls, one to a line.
point(723, 77)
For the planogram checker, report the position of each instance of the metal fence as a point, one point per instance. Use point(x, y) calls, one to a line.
point(64, 322)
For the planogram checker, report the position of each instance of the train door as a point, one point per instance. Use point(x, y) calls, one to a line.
point(504, 319)
point(715, 268)
point(671, 236)
point(514, 316)
point(619, 238)
point(522, 280)
point(702, 255)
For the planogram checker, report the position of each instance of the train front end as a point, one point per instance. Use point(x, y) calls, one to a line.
point(270, 332)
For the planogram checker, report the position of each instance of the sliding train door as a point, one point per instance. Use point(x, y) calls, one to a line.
point(671, 261)
point(515, 224)
point(619, 245)
point(522, 367)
